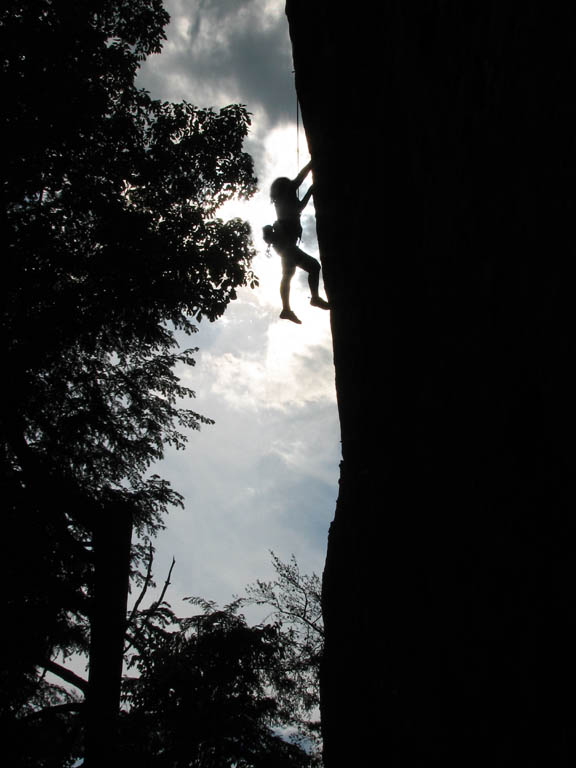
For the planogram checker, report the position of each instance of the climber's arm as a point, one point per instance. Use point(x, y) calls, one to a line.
point(302, 175)
point(306, 197)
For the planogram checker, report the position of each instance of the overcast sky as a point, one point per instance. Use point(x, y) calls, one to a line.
point(265, 476)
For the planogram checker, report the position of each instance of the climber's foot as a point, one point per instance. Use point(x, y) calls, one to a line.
point(287, 314)
point(316, 301)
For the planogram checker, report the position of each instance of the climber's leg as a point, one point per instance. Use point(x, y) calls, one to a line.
point(312, 267)
point(288, 270)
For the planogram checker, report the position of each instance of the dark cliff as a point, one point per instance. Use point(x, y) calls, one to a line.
point(443, 141)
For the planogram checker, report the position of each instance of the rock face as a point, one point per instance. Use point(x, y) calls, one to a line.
point(443, 137)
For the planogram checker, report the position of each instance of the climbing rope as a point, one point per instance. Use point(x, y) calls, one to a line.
point(297, 134)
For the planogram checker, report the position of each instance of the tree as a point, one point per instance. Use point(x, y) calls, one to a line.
point(240, 680)
point(234, 692)
point(211, 691)
point(111, 245)
point(295, 602)
point(208, 690)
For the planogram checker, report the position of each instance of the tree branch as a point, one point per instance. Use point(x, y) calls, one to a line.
point(133, 639)
point(71, 706)
point(144, 589)
point(65, 674)
point(166, 585)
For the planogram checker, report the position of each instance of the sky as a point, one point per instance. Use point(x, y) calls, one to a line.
point(265, 476)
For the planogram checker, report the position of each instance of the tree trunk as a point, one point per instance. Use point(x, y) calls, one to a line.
point(111, 542)
point(442, 140)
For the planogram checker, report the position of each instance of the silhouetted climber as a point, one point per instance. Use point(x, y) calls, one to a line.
point(284, 236)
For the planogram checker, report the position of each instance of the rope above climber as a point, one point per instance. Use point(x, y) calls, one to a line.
point(284, 236)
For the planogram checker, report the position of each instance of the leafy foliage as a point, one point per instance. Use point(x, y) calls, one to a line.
point(111, 244)
point(295, 602)
point(47, 732)
point(110, 238)
point(211, 691)
point(205, 690)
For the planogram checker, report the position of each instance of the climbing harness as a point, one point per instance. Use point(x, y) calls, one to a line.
point(269, 237)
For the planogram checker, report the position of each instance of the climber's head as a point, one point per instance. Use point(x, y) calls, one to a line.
point(281, 188)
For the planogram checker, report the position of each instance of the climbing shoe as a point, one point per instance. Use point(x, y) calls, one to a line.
point(316, 301)
point(287, 314)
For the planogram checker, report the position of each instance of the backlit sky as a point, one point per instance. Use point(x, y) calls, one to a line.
point(265, 476)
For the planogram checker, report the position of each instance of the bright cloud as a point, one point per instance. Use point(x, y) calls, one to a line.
point(265, 475)
point(224, 51)
point(279, 378)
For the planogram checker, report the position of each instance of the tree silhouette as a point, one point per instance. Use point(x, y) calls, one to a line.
point(111, 244)
point(210, 691)
point(203, 690)
point(294, 602)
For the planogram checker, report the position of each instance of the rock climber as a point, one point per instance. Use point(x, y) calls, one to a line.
point(285, 235)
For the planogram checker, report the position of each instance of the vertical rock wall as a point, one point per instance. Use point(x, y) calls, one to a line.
point(443, 140)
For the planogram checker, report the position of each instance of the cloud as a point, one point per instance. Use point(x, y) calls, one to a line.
point(255, 481)
point(226, 51)
point(265, 475)
point(277, 378)
point(255, 360)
